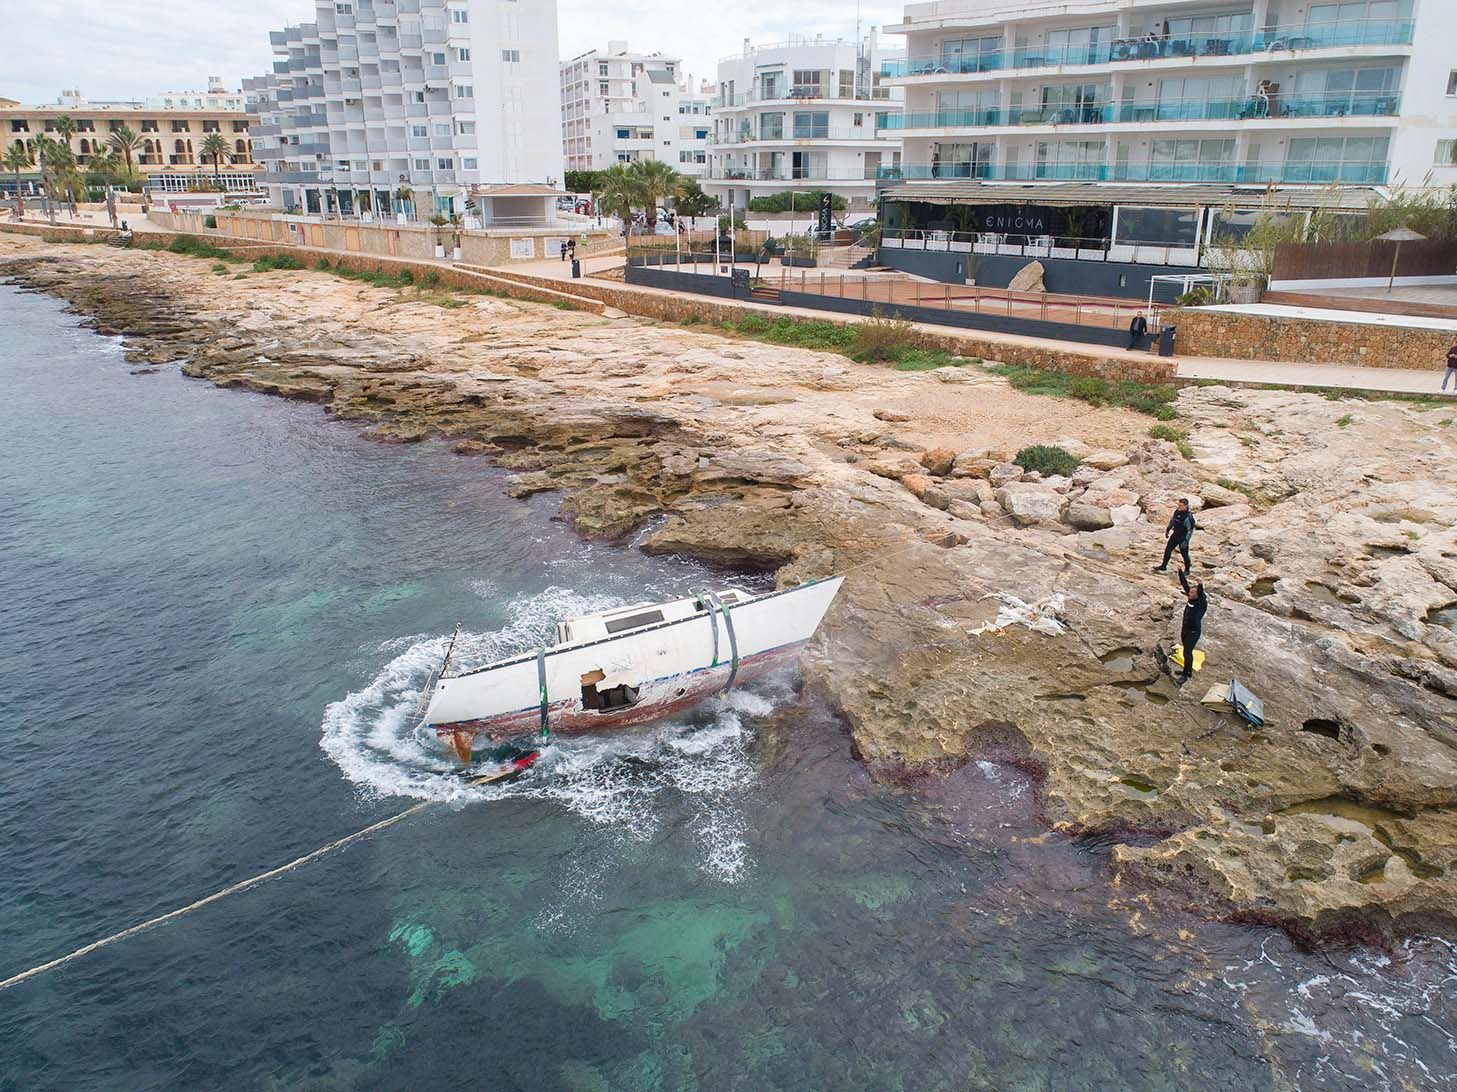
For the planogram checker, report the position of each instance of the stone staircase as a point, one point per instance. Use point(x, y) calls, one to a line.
point(845, 257)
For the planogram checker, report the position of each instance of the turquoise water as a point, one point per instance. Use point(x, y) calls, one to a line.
point(218, 609)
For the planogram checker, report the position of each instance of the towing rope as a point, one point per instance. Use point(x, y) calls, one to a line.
point(705, 602)
point(541, 685)
point(728, 623)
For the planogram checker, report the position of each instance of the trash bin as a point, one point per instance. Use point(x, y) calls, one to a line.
point(1166, 340)
point(576, 267)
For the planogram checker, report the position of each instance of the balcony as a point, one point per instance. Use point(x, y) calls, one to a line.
point(1250, 108)
point(1335, 34)
point(789, 174)
point(793, 135)
point(1363, 173)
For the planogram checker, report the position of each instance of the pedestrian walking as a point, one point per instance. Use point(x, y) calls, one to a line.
point(1136, 329)
point(1196, 603)
point(1451, 375)
point(1180, 532)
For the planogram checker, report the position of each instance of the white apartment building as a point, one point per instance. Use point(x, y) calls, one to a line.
point(619, 106)
point(1315, 92)
point(433, 95)
point(218, 96)
point(808, 114)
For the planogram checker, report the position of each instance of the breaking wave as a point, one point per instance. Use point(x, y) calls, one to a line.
point(616, 779)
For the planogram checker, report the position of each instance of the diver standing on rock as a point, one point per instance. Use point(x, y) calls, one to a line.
point(1193, 628)
point(1180, 531)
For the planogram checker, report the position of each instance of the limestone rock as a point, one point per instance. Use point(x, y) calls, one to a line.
point(1106, 460)
point(1074, 447)
point(917, 484)
point(965, 510)
point(1217, 496)
point(1124, 514)
point(1004, 473)
point(936, 496)
point(891, 416)
point(938, 460)
point(1087, 517)
point(1031, 504)
point(953, 375)
point(1028, 279)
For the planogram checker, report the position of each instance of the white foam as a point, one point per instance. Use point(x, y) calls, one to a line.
point(621, 780)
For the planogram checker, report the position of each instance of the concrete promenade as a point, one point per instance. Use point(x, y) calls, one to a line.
point(1240, 372)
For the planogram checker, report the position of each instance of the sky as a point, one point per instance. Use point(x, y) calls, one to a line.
point(129, 51)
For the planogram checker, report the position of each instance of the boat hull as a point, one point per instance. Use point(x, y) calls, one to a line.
point(671, 667)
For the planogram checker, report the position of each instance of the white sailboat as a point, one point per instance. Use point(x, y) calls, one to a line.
point(626, 666)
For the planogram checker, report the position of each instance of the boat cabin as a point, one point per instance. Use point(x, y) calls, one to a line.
point(611, 623)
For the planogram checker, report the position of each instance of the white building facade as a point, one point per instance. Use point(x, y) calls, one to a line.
point(619, 106)
point(1318, 92)
point(431, 97)
point(803, 115)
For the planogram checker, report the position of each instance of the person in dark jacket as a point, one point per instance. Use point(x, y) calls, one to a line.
point(1136, 329)
point(1180, 532)
point(1451, 368)
point(1196, 603)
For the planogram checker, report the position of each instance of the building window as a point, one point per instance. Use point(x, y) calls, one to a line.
point(437, 58)
point(419, 131)
point(462, 54)
point(511, 55)
point(1446, 154)
point(422, 164)
point(469, 164)
point(465, 128)
point(445, 164)
point(344, 9)
point(603, 89)
point(624, 134)
point(601, 70)
point(464, 91)
point(459, 15)
point(1452, 82)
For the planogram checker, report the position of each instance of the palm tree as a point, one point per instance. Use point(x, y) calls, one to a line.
point(216, 148)
point(18, 158)
point(656, 182)
point(58, 171)
point(619, 193)
point(104, 163)
point(65, 125)
point(124, 142)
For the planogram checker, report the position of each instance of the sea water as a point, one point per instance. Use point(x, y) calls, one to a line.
point(219, 609)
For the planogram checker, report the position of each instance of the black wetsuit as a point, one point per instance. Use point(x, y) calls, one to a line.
point(1180, 530)
point(1193, 628)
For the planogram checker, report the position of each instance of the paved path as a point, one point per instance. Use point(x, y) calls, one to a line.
point(1386, 380)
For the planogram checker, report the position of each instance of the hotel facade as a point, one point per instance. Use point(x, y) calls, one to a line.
point(429, 97)
point(1178, 91)
point(619, 106)
point(169, 157)
point(803, 115)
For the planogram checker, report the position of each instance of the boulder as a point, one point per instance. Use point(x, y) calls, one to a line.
point(1074, 447)
point(938, 460)
point(952, 375)
point(972, 468)
point(1085, 475)
point(1110, 498)
point(965, 510)
point(917, 484)
point(891, 416)
point(973, 490)
point(1106, 460)
point(1031, 504)
point(1125, 514)
point(1005, 473)
point(893, 469)
point(1217, 496)
point(1029, 279)
point(936, 497)
point(992, 509)
point(1089, 517)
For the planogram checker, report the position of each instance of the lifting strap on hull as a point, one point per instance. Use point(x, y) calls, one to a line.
point(718, 604)
point(541, 685)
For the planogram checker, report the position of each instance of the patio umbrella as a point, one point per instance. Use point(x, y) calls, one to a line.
point(1398, 236)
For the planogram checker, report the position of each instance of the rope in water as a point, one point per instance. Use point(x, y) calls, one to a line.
point(231, 889)
point(253, 881)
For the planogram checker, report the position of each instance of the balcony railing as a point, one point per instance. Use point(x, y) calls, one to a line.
point(1355, 173)
point(1344, 33)
point(803, 94)
point(790, 174)
point(790, 134)
point(1253, 107)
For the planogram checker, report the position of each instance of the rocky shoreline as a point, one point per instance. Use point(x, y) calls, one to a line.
point(989, 613)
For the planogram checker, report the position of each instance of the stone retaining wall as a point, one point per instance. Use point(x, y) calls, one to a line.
point(1308, 341)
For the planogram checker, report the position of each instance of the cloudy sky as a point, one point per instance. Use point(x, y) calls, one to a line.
point(115, 51)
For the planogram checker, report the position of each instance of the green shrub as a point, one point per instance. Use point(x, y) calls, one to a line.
point(268, 263)
point(1154, 399)
point(1047, 460)
point(882, 339)
point(1342, 422)
point(405, 277)
point(430, 280)
point(192, 246)
point(209, 221)
point(1176, 436)
point(322, 265)
point(219, 267)
point(802, 202)
point(925, 360)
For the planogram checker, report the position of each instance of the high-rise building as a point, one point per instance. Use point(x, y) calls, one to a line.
point(433, 96)
point(1172, 91)
point(619, 106)
point(808, 114)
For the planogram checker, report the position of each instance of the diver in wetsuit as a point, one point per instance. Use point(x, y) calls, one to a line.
point(1193, 627)
point(1180, 531)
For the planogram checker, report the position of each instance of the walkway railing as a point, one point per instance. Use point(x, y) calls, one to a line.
point(1363, 172)
point(1039, 246)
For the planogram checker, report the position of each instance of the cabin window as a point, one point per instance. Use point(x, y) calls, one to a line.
point(633, 621)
